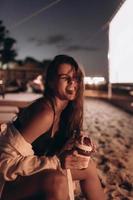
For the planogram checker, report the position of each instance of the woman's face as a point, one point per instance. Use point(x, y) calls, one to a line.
point(67, 83)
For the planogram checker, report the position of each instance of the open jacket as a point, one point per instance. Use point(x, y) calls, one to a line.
point(17, 157)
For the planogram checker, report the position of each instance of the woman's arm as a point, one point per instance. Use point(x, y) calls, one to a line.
point(14, 164)
point(35, 121)
point(17, 156)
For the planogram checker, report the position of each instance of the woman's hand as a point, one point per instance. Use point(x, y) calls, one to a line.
point(75, 161)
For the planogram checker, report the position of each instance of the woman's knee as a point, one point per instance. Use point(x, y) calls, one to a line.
point(56, 179)
point(55, 184)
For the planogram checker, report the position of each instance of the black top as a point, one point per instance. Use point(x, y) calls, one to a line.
point(45, 144)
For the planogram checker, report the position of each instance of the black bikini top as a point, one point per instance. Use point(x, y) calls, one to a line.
point(45, 144)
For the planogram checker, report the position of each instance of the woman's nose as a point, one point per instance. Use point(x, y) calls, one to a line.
point(73, 82)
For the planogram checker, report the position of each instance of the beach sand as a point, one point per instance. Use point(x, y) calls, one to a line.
point(112, 130)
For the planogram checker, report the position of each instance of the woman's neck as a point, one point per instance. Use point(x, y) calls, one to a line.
point(60, 105)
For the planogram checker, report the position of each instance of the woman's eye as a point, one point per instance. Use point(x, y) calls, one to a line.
point(66, 78)
point(69, 79)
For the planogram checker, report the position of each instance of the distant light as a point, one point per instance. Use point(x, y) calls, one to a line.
point(11, 65)
point(1, 82)
point(88, 80)
point(131, 104)
point(4, 66)
point(131, 92)
point(38, 79)
point(98, 80)
point(0, 64)
point(94, 80)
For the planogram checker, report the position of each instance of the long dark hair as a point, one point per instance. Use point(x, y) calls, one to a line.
point(72, 116)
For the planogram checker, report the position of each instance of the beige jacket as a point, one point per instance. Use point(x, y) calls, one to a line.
point(17, 157)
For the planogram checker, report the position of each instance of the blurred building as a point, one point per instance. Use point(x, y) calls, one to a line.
point(95, 82)
point(14, 74)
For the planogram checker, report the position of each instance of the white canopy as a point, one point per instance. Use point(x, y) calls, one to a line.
point(121, 45)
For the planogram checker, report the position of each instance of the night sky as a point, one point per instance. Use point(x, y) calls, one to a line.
point(45, 28)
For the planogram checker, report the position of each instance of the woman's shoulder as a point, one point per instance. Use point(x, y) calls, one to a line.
point(39, 108)
point(35, 120)
point(41, 105)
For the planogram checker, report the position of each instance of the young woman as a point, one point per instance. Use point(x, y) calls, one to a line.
point(30, 147)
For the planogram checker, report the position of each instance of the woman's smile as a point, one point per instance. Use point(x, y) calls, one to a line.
point(71, 90)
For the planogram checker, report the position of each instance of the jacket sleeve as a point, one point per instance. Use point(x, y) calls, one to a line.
point(17, 157)
point(13, 164)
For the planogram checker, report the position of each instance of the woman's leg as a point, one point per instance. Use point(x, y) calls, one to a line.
point(51, 184)
point(89, 182)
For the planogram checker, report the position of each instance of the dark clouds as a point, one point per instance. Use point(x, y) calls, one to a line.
point(50, 40)
point(80, 48)
point(62, 42)
point(56, 39)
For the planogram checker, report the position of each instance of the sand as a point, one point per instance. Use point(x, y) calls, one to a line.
point(112, 130)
